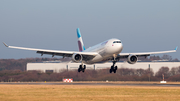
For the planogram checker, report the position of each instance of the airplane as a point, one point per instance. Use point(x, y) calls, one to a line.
point(109, 50)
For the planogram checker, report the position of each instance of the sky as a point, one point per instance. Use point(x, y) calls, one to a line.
point(141, 25)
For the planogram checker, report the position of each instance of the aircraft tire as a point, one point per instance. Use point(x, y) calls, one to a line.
point(112, 67)
point(84, 67)
point(80, 68)
point(115, 67)
point(110, 71)
point(114, 71)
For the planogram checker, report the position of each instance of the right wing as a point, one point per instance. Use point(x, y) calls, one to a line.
point(125, 55)
point(86, 55)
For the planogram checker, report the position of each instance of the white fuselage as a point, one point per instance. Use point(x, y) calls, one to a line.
point(106, 50)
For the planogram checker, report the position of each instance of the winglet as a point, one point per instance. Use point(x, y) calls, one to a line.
point(176, 48)
point(5, 44)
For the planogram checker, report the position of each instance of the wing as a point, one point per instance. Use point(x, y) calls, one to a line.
point(125, 55)
point(86, 55)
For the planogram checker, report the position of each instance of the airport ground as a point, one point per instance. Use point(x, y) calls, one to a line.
point(89, 91)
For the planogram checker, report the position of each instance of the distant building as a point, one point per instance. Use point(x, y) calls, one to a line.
point(59, 67)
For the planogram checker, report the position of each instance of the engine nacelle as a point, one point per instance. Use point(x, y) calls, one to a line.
point(76, 57)
point(132, 59)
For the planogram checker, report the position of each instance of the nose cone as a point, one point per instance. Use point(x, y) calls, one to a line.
point(119, 47)
point(115, 48)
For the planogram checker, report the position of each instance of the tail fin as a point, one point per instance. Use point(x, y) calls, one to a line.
point(80, 41)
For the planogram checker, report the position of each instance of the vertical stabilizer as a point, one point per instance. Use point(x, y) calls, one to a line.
point(80, 41)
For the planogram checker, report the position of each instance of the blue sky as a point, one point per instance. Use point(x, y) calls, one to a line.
point(142, 25)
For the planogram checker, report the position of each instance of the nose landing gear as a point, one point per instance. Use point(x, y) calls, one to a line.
point(113, 68)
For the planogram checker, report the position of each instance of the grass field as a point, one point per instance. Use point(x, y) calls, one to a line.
point(87, 93)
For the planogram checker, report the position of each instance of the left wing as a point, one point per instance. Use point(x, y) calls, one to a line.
point(86, 55)
point(125, 55)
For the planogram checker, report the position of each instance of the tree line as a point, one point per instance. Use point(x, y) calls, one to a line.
point(123, 74)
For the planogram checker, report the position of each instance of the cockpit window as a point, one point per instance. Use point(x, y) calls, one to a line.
point(117, 42)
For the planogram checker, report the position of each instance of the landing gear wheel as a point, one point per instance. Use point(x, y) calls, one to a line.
point(112, 67)
point(114, 71)
point(110, 71)
point(81, 68)
point(115, 67)
point(84, 67)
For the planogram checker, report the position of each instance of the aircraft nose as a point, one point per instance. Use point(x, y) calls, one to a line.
point(119, 47)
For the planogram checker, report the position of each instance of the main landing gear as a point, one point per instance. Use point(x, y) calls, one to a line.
point(81, 68)
point(113, 68)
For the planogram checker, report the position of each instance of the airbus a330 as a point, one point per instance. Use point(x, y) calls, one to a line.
point(109, 50)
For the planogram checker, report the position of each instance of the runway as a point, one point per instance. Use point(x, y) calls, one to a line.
point(172, 84)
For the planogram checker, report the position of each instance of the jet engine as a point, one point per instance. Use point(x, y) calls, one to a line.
point(132, 59)
point(76, 57)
